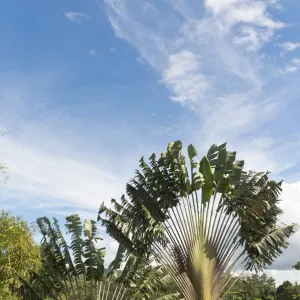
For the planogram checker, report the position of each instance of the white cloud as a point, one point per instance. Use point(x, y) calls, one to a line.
point(290, 46)
point(59, 161)
point(37, 174)
point(296, 61)
point(282, 275)
point(92, 52)
point(183, 77)
point(289, 69)
point(292, 67)
point(211, 64)
point(111, 247)
point(290, 203)
point(263, 142)
point(203, 62)
point(248, 12)
point(220, 6)
point(257, 25)
point(253, 38)
point(76, 17)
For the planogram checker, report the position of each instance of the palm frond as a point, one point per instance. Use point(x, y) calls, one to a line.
point(203, 224)
point(76, 271)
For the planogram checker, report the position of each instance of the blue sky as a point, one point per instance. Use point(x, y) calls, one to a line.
point(88, 87)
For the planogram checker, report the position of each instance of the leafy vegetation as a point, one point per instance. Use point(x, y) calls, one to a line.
point(19, 255)
point(76, 270)
point(253, 286)
point(262, 287)
point(183, 227)
point(200, 219)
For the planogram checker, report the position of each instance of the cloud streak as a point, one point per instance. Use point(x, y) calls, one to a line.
point(290, 46)
point(250, 12)
point(76, 17)
point(40, 175)
point(92, 52)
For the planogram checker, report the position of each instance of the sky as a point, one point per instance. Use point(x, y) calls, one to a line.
point(88, 87)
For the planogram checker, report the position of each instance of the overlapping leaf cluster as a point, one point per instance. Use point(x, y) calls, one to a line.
point(137, 222)
point(199, 221)
point(66, 267)
point(75, 269)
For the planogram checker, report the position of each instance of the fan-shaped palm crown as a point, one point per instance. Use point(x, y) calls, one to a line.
point(201, 222)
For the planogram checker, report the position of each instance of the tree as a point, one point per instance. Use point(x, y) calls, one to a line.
point(288, 291)
point(76, 270)
point(254, 286)
point(19, 255)
point(201, 220)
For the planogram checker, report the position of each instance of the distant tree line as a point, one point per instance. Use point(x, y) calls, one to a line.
point(262, 287)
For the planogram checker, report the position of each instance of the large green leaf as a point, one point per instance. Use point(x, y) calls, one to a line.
point(192, 151)
point(119, 259)
point(208, 187)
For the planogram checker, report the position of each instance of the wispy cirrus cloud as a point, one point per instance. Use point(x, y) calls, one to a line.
point(35, 173)
point(58, 161)
point(289, 69)
point(92, 52)
point(292, 66)
point(206, 64)
point(253, 38)
point(290, 46)
point(76, 17)
point(250, 12)
point(209, 48)
point(296, 61)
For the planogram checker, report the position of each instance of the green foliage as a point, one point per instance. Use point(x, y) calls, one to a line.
point(147, 283)
point(262, 287)
point(198, 220)
point(252, 287)
point(288, 291)
point(195, 234)
point(297, 266)
point(19, 256)
point(71, 271)
point(76, 270)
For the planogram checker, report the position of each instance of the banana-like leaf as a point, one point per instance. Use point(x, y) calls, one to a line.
point(208, 187)
point(200, 237)
point(27, 291)
point(119, 259)
point(60, 278)
point(192, 151)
